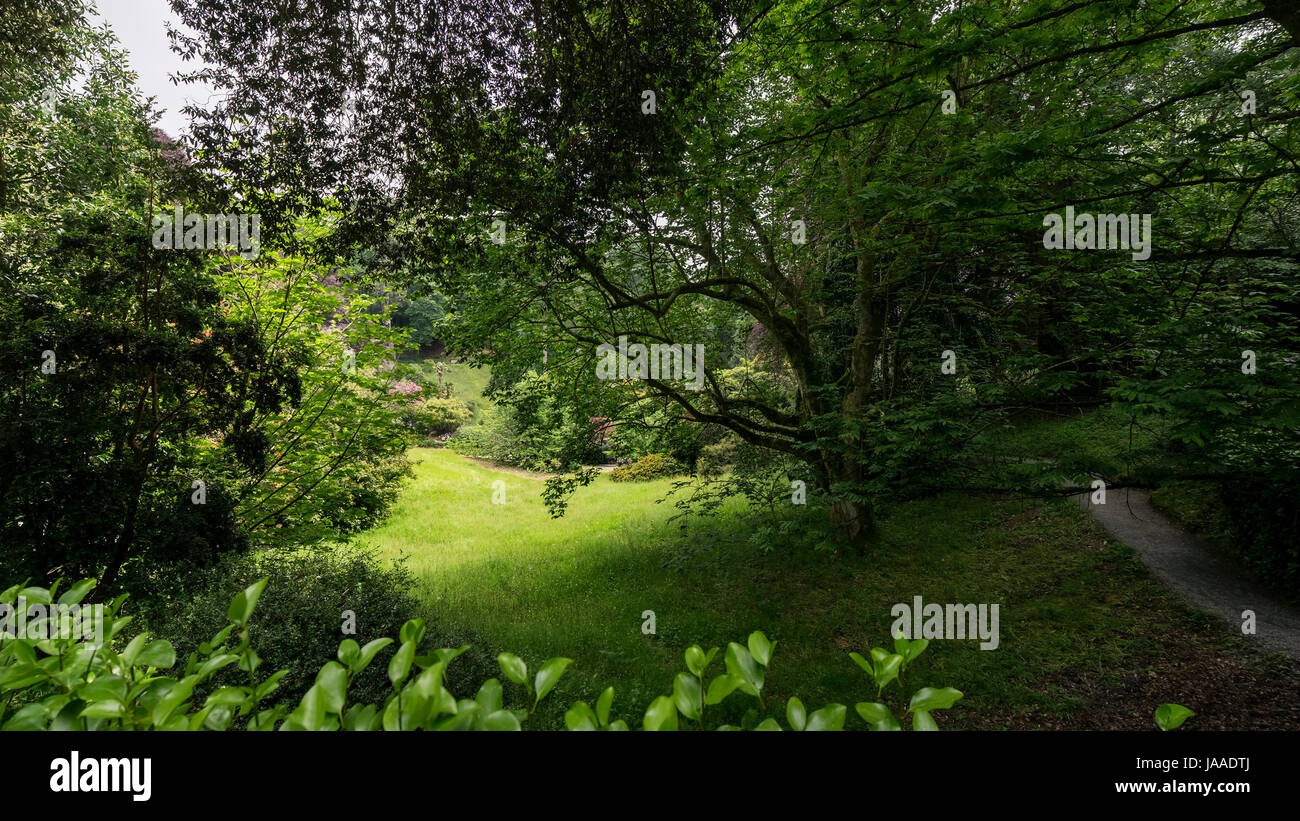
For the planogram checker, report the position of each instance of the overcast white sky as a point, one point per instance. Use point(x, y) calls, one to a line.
point(140, 25)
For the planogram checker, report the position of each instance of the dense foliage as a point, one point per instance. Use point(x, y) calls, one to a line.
point(650, 466)
point(164, 406)
point(853, 195)
point(56, 682)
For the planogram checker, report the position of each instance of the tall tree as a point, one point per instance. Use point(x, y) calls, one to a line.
point(868, 185)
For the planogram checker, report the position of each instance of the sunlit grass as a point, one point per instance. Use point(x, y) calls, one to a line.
point(509, 577)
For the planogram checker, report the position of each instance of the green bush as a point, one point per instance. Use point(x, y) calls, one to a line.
point(556, 443)
point(650, 427)
point(74, 683)
point(718, 458)
point(299, 619)
point(434, 416)
point(652, 466)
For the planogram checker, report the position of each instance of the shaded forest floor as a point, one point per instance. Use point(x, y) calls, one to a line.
point(1088, 639)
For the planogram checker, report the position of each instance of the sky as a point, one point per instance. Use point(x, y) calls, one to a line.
point(140, 25)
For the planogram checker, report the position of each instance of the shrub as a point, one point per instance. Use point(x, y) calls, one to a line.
point(652, 466)
point(434, 416)
point(299, 619)
point(559, 443)
point(75, 683)
point(719, 457)
point(649, 427)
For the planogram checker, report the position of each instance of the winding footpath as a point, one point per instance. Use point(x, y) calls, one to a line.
point(1194, 571)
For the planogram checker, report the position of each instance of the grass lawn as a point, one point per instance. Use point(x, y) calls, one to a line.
point(1088, 640)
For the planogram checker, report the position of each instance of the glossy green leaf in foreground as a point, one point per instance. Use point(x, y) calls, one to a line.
point(697, 661)
point(399, 666)
point(760, 648)
point(549, 675)
point(830, 717)
point(1172, 716)
point(744, 669)
point(603, 705)
point(513, 668)
point(877, 716)
point(928, 698)
point(721, 687)
point(660, 715)
point(580, 717)
point(795, 714)
point(241, 607)
point(687, 696)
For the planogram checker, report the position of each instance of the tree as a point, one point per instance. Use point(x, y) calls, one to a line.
point(867, 185)
point(144, 404)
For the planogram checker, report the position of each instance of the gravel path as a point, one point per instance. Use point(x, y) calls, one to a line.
point(1193, 570)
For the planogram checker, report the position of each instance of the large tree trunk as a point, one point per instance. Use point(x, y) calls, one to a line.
point(854, 523)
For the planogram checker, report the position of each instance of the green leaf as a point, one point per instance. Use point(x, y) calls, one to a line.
point(77, 592)
point(921, 720)
point(863, 663)
point(110, 708)
point(928, 698)
point(104, 687)
point(445, 654)
point(909, 649)
point(171, 697)
point(501, 720)
point(767, 725)
point(513, 668)
point(132, 650)
point(216, 663)
point(28, 717)
point(157, 653)
point(796, 714)
point(830, 717)
point(660, 715)
point(400, 664)
point(877, 716)
point(349, 652)
point(489, 696)
point(333, 683)
point(916, 648)
point(241, 607)
point(265, 688)
point(227, 697)
point(1171, 716)
point(548, 676)
point(742, 666)
point(35, 595)
point(603, 704)
point(310, 714)
point(887, 666)
point(580, 717)
point(368, 654)
point(696, 659)
point(361, 718)
point(687, 696)
point(412, 631)
point(720, 688)
point(760, 648)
